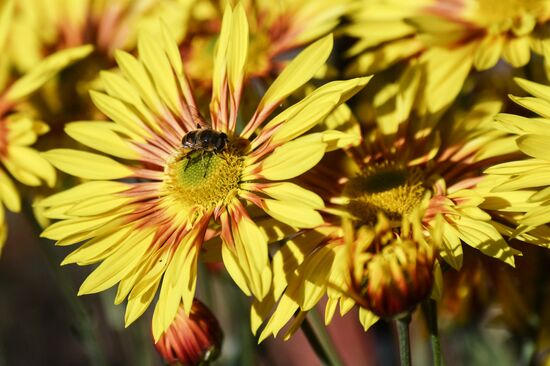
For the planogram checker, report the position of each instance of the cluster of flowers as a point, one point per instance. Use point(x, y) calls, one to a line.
point(218, 132)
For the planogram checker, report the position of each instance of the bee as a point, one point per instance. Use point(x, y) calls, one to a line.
point(203, 140)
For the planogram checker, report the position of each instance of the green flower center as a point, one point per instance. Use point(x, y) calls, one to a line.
point(391, 190)
point(203, 179)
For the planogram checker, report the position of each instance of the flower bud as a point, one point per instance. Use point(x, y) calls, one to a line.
point(391, 273)
point(191, 340)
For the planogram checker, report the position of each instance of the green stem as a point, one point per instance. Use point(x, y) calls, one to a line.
point(402, 325)
point(429, 308)
point(319, 339)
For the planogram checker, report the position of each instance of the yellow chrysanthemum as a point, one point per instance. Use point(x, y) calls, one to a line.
point(452, 37)
point(44, 26)
point(275, 28)
point(146, 215)
point(409, 163)
point(529, 176)
point(18, 128)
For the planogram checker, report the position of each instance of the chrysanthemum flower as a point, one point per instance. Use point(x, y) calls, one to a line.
point(452, 37)
point(44, 26)
point(276, 29)
point(390, 275)
point(18, 128)
point(529, 175)
point(146, 216)
point(408, 163)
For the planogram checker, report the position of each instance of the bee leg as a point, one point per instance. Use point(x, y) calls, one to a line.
point(187, 163)
point(207, 164)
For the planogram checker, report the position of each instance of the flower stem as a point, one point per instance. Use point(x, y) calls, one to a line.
point(319, 339)
point(402, 325)
point(429, 308)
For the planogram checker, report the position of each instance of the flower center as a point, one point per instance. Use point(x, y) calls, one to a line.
point(389, 189)
point(203, 179)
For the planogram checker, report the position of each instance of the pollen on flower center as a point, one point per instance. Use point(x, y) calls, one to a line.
point(395, 191)
point(204, 180)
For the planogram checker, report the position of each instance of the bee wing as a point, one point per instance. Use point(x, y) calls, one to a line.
point(198, 121)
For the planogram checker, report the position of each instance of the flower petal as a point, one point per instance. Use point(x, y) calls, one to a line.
point(86, 165)
point(314, 108)
point(102, 137)
point(290, 192)
point(292, 159)
point(127, 256)
point(293, 214)
point(8, 194)
point(45, 71)
point(300, 70)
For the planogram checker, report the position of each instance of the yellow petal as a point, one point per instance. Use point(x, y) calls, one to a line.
point(86, 165)
point(448, 70)
point(537, 105)
point(284, 312)
point(45, 71)
point(315, 107)
point(6, 15)
point(535, 89)
point(300, 70)
point(98, 205)
point(290, 192)
point(517, 167)
point(536, 146)
point(100, 136)
point(367, 318)
point(98, 248)
point(118, 87)
point(138, 304)
point(537, 216)
point(121, 262)
point(156, 62)
point(82, 192)
point(517, 51)
point(9, 194)
point(219, 73)
point(484, 237)
point(31, 161)
point(170, 46)
point(292, 159)
point(488, 52)
point(437, 288)
point(237, 49)
point(67, 228)
point(233, 267)
point(178, 280)
point(251, 251)
point(136, 74)
point(293, 214)
point(535, 178)
point(120, 113)
point(451, 247)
